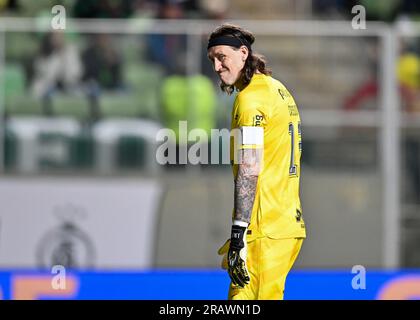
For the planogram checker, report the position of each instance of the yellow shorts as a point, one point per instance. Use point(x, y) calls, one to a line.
point(268, 261)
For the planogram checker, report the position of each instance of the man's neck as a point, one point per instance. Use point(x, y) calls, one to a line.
point(239, 85)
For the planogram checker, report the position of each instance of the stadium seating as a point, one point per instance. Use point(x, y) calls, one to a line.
point(71, 105)
point(120, 105)
point(14, 82)
point(144, 81)
point(119, 134)
point(41, 142)
point(24, 105)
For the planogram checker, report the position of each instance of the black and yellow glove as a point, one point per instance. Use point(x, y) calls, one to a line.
point(236, 258)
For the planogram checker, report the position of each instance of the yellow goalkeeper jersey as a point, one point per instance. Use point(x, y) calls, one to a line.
point(277, 211)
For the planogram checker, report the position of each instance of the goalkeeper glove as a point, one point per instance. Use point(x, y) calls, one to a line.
point(237, 269)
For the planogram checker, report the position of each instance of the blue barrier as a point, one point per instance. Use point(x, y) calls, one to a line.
point(202, 285)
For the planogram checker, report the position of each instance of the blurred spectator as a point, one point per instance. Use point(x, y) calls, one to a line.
point(168, 50)
point(408, 76)
point(333, 7)
point(8, 5)
point(57, 66)
point(411, 7)
point(376, 10)
point(384, 10)
point(190, 5)
point(145, 9)
point(102, 63)
point(214, 9)
point(191, 8)
point(103, 8)
point(102, 70)
point(367, 92)
point(408, 72)
point(211, 9)
point(191, 98)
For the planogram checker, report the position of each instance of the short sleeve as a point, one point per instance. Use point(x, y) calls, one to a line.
point(249, 112)
point(250, 119)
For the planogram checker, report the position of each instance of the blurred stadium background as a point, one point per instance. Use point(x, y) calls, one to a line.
point(80, 108)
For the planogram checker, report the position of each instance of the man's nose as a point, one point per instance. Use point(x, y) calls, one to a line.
point(217, 65)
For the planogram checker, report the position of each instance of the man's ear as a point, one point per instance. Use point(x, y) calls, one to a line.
point(245, 52)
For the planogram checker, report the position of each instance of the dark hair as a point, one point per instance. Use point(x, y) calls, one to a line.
point(254, 61)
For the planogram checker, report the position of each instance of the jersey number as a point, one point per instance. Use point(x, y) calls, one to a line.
point(293, 166)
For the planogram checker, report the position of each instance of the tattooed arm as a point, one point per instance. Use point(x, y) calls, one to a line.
point(245, 190)
point(246, 183)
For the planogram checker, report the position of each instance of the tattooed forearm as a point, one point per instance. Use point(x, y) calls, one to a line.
point(245, 188)
point(246, 185)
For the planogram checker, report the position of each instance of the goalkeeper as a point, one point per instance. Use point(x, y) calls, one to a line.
point(268, 228)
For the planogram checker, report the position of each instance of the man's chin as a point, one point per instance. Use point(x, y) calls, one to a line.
point(226, 83)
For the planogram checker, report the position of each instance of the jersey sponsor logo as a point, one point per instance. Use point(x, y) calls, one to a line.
point(293, 111)
point(257, 120)
point(283, 93)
